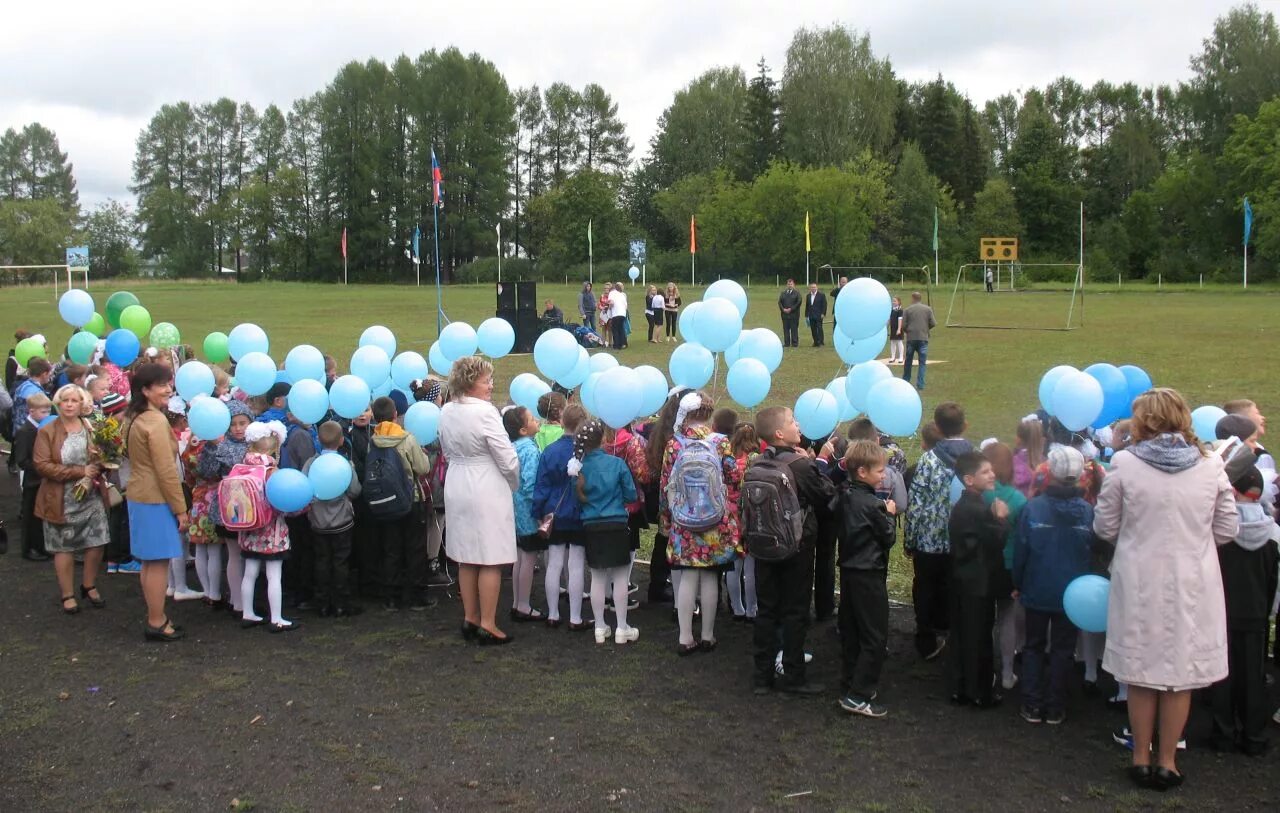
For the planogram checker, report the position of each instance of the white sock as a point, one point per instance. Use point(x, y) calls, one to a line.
point(1122, 692)
point(235, 573)
point(621, 584)
point(522, 578)
point(1091, 644)
point(686, 598)
point(202, 567)
point(598, 579)
point(577, 576)
point(275, 597)
point(709, 581)
point(551, 581)
point(733, 581)
point(247, 585)
point(749, 586)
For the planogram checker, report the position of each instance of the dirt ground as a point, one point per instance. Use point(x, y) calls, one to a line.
point(396, 712)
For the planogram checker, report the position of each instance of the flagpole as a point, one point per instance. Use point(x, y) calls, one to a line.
point(1246, 265)
point(344, 269)
point(499, 251)
point(591, 262)
point(435, 218)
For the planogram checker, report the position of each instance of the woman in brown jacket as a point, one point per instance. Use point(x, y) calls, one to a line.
point(157, 506)
point(75, 519)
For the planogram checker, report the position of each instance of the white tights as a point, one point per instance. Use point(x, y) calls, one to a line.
point(1011, 631)
point(577, 556)
point(178, 575)
point(1089, 647)
point(697, 584)
point(522, 579)
point(274, 569)
point(235, 573)
point(742, 587)
point(209, 569)
point(600, 579)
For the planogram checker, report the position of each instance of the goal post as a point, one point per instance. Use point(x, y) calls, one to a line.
point(1053, 302)
point(39, 276)
point(903, 277)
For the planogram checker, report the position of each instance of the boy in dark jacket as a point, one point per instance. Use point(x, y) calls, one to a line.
point(37, 409)
point(1249, 580)
point(783, 588)
point(332, 522)
point(1051, 548)
point(976, 534)
point(867, 533)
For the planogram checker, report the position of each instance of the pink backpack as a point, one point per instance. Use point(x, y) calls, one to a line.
point(242, 499)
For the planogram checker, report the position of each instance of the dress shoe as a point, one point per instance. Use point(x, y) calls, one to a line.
point(1140, 775)
point(1163, 779)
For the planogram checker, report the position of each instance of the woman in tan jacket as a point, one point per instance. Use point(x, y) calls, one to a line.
point(75, 519)
point(157, 506)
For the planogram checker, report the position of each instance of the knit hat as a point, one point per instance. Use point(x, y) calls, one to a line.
point(113, 403)
point(1242, 469)
point(278, 390)
point(401, 402)
point(1235, 426)
point(237, 407)
point(1065, 465)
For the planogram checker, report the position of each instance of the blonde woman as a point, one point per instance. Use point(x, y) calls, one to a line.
point(670, 307)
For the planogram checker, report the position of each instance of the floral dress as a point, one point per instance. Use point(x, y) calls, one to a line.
point(85, 520)
point(720, 546)
point(200, 530)
point(272, 541)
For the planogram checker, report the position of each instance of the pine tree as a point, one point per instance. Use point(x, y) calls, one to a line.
point(763, 141)
point(604, 137)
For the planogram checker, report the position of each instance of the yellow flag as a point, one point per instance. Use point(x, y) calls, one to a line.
point(807, 246)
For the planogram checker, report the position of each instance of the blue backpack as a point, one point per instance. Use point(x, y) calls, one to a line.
point(695, 488)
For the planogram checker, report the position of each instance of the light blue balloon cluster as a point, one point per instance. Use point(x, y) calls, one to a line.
point(371, 364)
point(407, 368)
point(349, 396)
point(1095, 397)
point(526, 389)
point(893, 405)
point(555, 353)
point(748, 381)
point(691, 365)
point(304, 362)
point(379, 336)
point(862, 309)
point(1204, 421)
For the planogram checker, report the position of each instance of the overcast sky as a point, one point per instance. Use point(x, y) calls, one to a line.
point(96, 71)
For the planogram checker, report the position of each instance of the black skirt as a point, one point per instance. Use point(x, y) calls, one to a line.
point(608, 544)
point(568, 537)
point(531, 543)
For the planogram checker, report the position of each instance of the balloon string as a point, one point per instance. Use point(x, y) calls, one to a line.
point(715, 374)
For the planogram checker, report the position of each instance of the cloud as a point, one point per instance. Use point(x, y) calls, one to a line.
point(96, 72)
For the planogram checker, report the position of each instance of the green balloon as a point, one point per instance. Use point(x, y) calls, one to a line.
point(116, 305)
point(215, 348)
point(165, 335)
point(81, 347)
point(28, 349)
point(97, 325)
point(137, 320)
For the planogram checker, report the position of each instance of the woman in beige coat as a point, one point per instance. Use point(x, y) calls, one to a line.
point(1166, 505)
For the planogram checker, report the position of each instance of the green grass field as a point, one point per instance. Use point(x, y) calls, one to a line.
point(1213, 345)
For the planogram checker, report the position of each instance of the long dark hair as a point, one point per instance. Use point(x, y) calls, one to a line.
point(663, 427)
point(146, 375)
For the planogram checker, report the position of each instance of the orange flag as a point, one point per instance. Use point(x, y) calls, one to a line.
point(693, 235)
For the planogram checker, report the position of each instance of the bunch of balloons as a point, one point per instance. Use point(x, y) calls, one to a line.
point(1094, 397)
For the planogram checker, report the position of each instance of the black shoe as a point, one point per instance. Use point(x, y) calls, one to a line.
point(151, 633)
point(250, 623)
point(287, 626)
point(580, 626)
point(804, 689)
point(1140, 775)
point(99, 602)
point(419, 605)
point(348, 611)
point(706, 646)
point(469, 631)
point(686, 649)
point(524, 618)
point(35, 556)
point(486, 638)
point(1163, 779)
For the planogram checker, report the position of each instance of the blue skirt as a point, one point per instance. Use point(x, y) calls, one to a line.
point(153, 532)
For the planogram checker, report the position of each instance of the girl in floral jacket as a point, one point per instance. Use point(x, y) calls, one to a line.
point(267, 546)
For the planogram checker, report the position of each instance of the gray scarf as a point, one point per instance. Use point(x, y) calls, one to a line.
point(1168, 452)
point(1257, 528)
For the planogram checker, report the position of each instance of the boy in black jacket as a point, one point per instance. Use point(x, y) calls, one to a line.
point(24, 444)
point(783, 588)
point(867, 533)
point(976, 533)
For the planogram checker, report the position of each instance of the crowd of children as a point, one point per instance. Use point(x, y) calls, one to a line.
point(994, 533)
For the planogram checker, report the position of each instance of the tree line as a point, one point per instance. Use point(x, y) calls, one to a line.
point(1161, 172)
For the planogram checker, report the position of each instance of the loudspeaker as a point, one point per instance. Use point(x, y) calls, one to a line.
point(528, 325)
point(527, 295)
point(506, 297)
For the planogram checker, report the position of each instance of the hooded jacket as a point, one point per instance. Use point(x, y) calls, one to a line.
point(929, 498)
point(1052, 546)
point(1249, 569)
point(390, 435)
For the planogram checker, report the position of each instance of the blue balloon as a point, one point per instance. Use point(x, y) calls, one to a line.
point(289, 490)
point(957, 488)
point(1204, 422)
point(653, 387)
point(371, 364)
point(1138, 381)
point(1085, 601)
point(208, 418)
point(817, 413)
point(1115, 392)
point(247, 338)
point(383, 389)
point(1077, 400)
point(304, 362)
point(526, 389)
point(458, 339)
point(555, 353)
point(852, 352)
point(602, 362)
point(618, 397)
point(863, 308)
point(495, 337)
point(439, 363)
point(422, 420)
point(194, 378)
point(845, 410)
point(719, 324)
point(861, 378)
point(579, 372)
point(379, 336)
point(734, 351)
point(75, 307)
point(282, 377)
point(691, 365)
point(122, 347)
point(634, 273)
point(1050, 380)
point(330, 476)
point(308, 401)
point(587, 395)
point(255, 373)
point(687, 323)
point(748, 382)
point(407, 368)
point(730, 290)
point(349, 396)
point(893, 405)
point(46, 420)
point(763, 345)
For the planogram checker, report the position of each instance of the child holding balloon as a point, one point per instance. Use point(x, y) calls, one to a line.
point(332, 523)
point(215, 461)
point(267, 547)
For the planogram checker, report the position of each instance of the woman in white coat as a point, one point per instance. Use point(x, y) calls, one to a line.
point(1167, 505)
point(483, 474)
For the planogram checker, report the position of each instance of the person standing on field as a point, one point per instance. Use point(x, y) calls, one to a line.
point(789, 308)
point(917, 321)
point(815, 310)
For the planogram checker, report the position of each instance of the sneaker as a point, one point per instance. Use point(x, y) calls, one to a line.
point(857, 705)
point(112, 568)
point(134, 567)
point(626, 636)
point(1124, 738)
point(602, 635)
point(1055, 717)
point(1031, 715)
point(777, 662)
point(1008, 682)
point(187, 595)
point(632, 588)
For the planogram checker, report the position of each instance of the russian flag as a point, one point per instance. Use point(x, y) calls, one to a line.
point(437, 182)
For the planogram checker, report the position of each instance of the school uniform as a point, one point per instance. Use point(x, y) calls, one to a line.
point(976, 540)
point(332, 524)
point(23, 455)
point(867, 532)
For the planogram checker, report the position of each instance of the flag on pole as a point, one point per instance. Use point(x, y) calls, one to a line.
point(344, 242)
point(590, 252)
point(693, 235)
point(416, 236)
point(807, 246)
point(1248, 220)
point(935, 229)
point(437, 181)
point(499, 236)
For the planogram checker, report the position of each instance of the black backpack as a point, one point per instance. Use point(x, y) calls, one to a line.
point(772, 518)
point(387, 490)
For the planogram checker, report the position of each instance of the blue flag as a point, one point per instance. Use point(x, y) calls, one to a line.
point(416, 235)
point(1248, 220)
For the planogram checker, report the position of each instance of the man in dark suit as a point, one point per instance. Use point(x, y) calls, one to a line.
point(789, 308)
point(815, 310)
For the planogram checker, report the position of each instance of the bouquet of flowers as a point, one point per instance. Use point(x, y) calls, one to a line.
point(106, 450)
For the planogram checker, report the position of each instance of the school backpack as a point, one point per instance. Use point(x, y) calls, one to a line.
point(695, 488)
point(242, 499)
point(286, 460)
point(388, 491)
point(772, 519)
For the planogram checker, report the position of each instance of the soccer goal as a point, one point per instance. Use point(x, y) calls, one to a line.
point(40, 279)
point(1050, 296)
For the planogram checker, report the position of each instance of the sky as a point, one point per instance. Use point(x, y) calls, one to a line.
point(95, 72)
